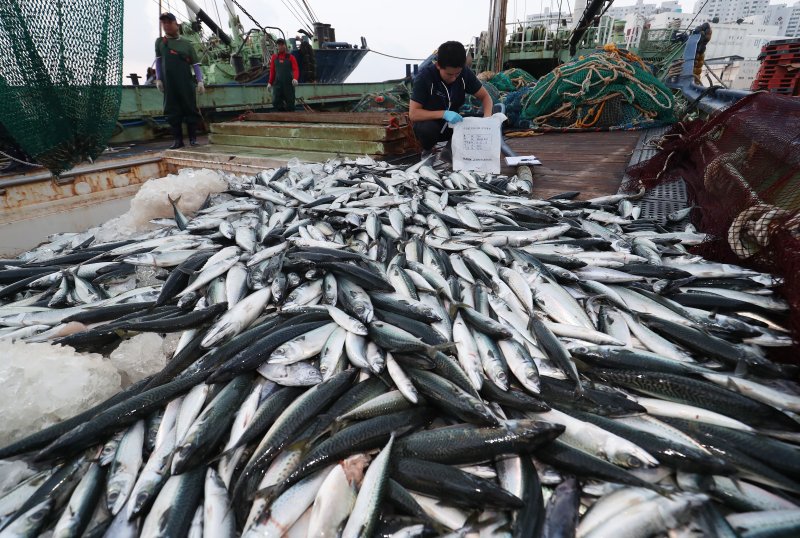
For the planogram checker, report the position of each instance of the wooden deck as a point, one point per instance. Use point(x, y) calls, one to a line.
point(592, 163)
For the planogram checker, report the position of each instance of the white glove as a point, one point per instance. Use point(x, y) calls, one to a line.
point(294, 82)
point(160, 86)
point(269, 86)
point(201, 88)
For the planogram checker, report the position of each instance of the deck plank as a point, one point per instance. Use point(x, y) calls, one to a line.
point(592, 162)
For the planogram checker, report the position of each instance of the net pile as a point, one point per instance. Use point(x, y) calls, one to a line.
point(609, 89)
point(393, 100)
point(512, 79)
point(514, 102)
point(509, 87)
point(60, 77)
point(742, 169)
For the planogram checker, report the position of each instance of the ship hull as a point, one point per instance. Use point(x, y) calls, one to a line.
point(335, 65)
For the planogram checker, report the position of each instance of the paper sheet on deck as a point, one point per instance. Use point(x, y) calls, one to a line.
point(476, 144)
point(522, 159)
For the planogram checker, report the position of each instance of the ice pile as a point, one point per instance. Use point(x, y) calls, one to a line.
point(151, 202)
point(139, 357)
point(12, 473)
point(41, 384)
point(170, 344)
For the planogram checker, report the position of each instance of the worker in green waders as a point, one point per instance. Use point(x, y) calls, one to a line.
point(179, 77)
point(283, 75)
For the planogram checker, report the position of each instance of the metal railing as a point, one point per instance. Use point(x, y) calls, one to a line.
point(548, 37)
point(535, 35)
point(547, 34)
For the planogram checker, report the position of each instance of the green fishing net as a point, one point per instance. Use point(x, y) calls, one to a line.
point(512, 79)
point(610, 88)
point(60, 77)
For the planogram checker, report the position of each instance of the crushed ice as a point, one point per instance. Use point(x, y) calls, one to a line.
point(139, 357)
point(151, 202)
point(44, 383)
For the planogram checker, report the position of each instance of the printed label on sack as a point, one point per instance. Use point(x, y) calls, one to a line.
point(476, 144)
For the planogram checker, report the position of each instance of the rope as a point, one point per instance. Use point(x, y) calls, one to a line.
point(705, 93)
point(582, 124)
point(300, 9)
point(4, 154)
point(247, 14)
point(219, 17)
point(310, 12)
point(593, 75)
point(521, 134)
point(689, 27)
point(294, 13)
point(178, 15)
point(398, 57)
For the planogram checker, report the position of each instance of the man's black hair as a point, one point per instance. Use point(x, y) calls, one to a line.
point(280, 40)
point(451, 54)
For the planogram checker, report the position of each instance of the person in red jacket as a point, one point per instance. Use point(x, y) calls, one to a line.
point(283, 75)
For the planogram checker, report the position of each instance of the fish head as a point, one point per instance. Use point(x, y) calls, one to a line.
point(33, 520)
point(360, 309)
point(632, 462)
point(284, 351)
point(376, 357)
point(583, 352)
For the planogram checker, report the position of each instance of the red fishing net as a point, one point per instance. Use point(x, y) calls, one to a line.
point(742, 170)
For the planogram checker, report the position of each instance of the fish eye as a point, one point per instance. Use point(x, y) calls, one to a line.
point(635, 462)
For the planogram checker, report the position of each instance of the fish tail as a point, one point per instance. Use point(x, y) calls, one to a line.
point(431, 351)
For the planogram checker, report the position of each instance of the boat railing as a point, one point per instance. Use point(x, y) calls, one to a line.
point(535, 35)
point(548, 37)
point(550, 34)
point(657, 41)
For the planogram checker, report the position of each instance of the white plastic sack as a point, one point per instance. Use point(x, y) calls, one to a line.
point(476, 144)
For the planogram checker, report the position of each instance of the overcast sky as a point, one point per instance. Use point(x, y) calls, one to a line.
point(407, 28)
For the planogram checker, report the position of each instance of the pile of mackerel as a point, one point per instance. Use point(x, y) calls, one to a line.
point(370, 350)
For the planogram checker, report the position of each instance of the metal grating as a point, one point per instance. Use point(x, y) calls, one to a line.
point(663, 200)
point(658, 209)
point(675, 191)
point(659, 202)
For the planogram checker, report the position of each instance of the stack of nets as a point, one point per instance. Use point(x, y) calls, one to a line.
point(393, 100)
point(509, 88)
point(472, 105)
point(512, 79)
point(60, 77)
point(742, 168)
point(514, 102)
point(608, 89)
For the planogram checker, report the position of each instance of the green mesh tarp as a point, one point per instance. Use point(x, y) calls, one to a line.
point(60, 77)
point(513, 101)
point(509, 88)
point(512, 79)
point(473, 106)
point(392, 100)
point(607, 89)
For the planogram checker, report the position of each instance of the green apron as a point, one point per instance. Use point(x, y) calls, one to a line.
point(282, 88)
point(180, 101)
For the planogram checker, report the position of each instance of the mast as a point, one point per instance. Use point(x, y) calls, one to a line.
point(208, 21)
point(233, 23)
point(577, 13)
point(584, 20)
point(191, 13)
point(497, 33)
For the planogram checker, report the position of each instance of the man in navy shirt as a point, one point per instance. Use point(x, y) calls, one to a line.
point(439, 92)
